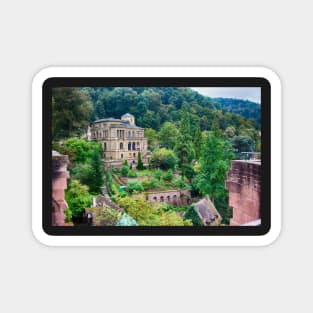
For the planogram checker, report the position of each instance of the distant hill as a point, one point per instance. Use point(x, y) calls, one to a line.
point(245, 108)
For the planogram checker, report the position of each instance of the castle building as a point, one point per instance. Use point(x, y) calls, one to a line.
point(121, 139)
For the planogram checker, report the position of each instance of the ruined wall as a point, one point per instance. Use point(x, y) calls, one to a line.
point(174, 197)
point(244, 185)
point(59, 184)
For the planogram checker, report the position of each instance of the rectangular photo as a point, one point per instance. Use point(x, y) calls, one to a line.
point(155, 156)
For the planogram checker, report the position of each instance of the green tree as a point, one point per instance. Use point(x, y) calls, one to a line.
point(164, 159)
point(168, 135)
point(197, 142)
point(184, 147)
point(214, 164)
point(71, 108)
point(78, 198)
point(97, 172)
point(124, 170)
point(139, 162)
point(153, 138)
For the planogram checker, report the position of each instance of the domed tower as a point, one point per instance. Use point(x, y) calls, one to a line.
point(129, 117)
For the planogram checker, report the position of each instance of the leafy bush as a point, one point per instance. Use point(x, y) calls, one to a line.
point(108, 217)
point(164, 159)
point(124, 170)
point(180, 183)
point(132, 173)
point(168, 176)
point(134, 187)
point(158, 174)
point(78, 198)
point(192, 215)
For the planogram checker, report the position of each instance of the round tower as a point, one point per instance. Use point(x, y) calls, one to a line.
point(129, 117)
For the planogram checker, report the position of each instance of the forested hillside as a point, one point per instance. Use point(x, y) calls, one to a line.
point(245, 108)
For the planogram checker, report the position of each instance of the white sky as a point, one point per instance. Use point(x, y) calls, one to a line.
point(245, 93)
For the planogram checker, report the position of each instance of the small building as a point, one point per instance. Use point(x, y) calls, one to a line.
point(172, 197)
point(207, 212)
point(244, 186)
point(120, 139)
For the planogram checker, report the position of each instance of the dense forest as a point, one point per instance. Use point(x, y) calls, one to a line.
point(245, 108)
point(193, 136)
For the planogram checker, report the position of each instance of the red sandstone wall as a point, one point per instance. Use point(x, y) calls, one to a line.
point(59, 184)
point(244, 185)
point(182, 197)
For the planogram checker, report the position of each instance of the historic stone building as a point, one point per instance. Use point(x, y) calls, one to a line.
point(121, 139)
point(244, 185)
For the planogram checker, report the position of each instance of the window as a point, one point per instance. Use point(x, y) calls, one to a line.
point(134, 146)
point(129, 146)
point(128, 134)
point(162, 199)
point(155, 198)
point(122, 156)
point(121, 146)
point(104, 146)
point(134, 155)
point(168, 198)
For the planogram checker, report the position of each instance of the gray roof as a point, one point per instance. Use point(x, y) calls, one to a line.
point(111, 119)
point(128, 114)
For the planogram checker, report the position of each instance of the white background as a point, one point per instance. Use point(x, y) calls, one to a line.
point(37, 34)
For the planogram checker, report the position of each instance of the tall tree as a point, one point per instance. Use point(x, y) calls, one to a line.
point(168, 135)
point(197, 141)
point(139, 162)
point(71, 109)
point(97, 172)
point(184, 147)
point(214, 164)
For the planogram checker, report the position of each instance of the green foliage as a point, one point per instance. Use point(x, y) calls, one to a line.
point(163, 158)
point(192, 215)
point(168, 135)
point(168, 176)
point(71, 108)
point(132, 173)
point(139, 162)
point(78, 198)
point(135, 187)
point(107, 216)
point(96, 175)
point(214, 164)
point(197, 142)
point(152, 137)
point(242, 144)
point(124, 170)
point(151, 214)
point(158, 174)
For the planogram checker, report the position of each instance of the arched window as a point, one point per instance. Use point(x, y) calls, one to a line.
point(121, 146)
point(133, 133)
point(129, 146)
point(104, 146)
point(138, 145)
point(168, 198)
point(122, 156)
point(134, 155)
point(162, 199)
point(134, 146)
point(128, 134)
point(155, 198)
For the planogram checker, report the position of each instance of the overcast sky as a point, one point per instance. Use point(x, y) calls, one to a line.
point(246, 93)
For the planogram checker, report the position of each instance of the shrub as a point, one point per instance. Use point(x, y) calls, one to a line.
point(158, 174)
point(191, 214)
point(164, 159)
point(124, 170)
point(168, 176)
point(132, 173)
point(134, 187)
point(139, 163)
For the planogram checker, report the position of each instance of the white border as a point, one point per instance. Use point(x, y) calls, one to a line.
point(156, 72)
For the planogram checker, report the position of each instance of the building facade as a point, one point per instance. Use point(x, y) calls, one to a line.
point(120, 139)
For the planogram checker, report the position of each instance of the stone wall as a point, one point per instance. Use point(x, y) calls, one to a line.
point(244, 185)
point(59, 184)
point(173, 197)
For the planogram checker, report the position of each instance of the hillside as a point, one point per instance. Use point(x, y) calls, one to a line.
point(245, 108)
